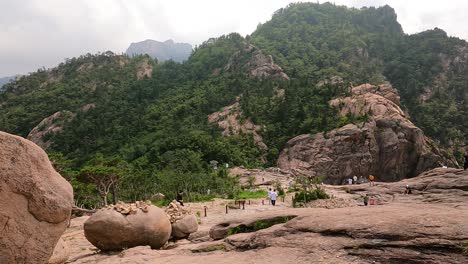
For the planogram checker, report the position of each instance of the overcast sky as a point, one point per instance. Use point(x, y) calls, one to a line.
point(37, 33)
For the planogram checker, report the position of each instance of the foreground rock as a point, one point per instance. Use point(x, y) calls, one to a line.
point(109, 229)
point(61, 253)
point(36, 202)
point(385, 143)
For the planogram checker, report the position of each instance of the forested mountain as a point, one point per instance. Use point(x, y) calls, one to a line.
point(162, 51)
point(147, 121)
point(429, 69)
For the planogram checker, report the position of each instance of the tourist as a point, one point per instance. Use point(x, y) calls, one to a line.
point(371, 180)
point(354, 179)
point(350, 181)
point(269, 196)
point(273, 197)
point(180, 198)
point(366, 199)
point(408, 189)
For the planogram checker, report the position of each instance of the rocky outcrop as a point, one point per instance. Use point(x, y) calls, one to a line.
point(144, 69)
point(53, 124)
point(446, 186)
point(49, 126)
point(110, 229)
point(229, 119)
point(384, 143)
point(36, 202)
point(257, 64)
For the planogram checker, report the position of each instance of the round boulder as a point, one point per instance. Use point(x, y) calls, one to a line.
point(36, 202)
point(109, 229)
point(184, 227)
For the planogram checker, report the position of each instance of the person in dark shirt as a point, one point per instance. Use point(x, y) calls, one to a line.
point(180, 198)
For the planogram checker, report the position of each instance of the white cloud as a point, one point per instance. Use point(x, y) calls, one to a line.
point(36, 33)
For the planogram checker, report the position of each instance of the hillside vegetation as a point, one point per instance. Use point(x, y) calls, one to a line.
point(145, 122)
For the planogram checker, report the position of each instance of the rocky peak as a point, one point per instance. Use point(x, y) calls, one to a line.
point(254, 63)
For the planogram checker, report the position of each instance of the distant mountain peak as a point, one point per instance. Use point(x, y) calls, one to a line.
point(167, 50)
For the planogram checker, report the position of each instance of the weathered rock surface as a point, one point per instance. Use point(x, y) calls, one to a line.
point(229, 119)
point(144, 69)
point(386, 144)
point(36, 202)
point(108, 229)
point(258, 65)
point(61, 253)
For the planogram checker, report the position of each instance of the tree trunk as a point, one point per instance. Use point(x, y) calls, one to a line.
point(114, 197)
point(105, 199)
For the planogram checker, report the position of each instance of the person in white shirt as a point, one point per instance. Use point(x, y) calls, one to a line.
point(273, 197)
point(269, 196)
point(350, 181)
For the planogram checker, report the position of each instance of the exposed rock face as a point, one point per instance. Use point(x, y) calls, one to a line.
point(144, 69)
point(36, 202)
point(387, 145)
point(258, 64)
point(49, 125)
point(229, 120)
point(109, 229)
point(53, 124)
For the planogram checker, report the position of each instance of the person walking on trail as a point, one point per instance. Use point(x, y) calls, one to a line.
point(354, 179)
point(371, 180)
point(269, 196)
point(180, 198)
point(273, 197)
point(350, 181)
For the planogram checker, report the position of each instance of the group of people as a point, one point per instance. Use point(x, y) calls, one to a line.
point(355, 180)
point(272, 196)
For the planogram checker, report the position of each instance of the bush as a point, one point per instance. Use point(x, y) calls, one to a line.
point(314, 194)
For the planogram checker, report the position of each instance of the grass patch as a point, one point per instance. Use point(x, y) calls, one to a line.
point(252, 195)
point(464, 248)
point(210, 249)
point(259, 225)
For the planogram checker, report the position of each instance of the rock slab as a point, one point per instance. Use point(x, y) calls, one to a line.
point(36, 202)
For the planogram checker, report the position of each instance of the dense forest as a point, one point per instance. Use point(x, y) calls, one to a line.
point(149, 133)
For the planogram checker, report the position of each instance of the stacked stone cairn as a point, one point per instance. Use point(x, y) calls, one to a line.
point(176, 212)
point(132, 208)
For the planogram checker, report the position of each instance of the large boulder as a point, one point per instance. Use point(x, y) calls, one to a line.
point(36, 202)
point(109, 229)
point(385, 143)
point(182, 220)
point(184, 227)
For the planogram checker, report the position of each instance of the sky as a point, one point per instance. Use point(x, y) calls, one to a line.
point(42, 33)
